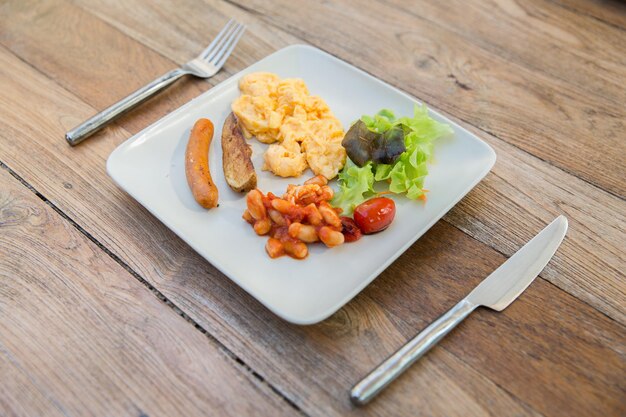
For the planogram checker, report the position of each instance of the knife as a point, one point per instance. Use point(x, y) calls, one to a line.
point(496, 291)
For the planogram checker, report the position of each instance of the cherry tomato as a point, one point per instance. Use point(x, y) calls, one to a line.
point(374, 215)
point(351, 232)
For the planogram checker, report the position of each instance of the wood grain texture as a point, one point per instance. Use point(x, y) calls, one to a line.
point(525, 193)
point(545, 116)
point(525, 186)
point(542, 330)
point(314, 366)
point(582, 52)
point(80, 336)
point(612, 12)
point(318, 392)
point(548, 354)
point(100, 58)
point(24, 396)
point(184, 30)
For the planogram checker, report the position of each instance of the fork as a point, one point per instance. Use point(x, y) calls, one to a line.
point(205, 65)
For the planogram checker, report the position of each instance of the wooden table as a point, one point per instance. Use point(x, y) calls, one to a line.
point(104, 311)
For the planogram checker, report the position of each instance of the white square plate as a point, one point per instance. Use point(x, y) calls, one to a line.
point(150, 167)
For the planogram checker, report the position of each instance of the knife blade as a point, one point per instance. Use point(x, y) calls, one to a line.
point(507, 282)
point(496, 291)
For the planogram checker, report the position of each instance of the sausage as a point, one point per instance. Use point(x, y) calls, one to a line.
point(197, 164)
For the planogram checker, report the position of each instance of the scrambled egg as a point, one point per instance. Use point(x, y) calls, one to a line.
point(300, 128)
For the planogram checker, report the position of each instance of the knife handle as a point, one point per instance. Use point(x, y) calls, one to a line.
point(404, 357)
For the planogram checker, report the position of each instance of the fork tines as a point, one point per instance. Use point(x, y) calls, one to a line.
point(223, 44)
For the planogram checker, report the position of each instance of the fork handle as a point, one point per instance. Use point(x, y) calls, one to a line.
point(93, 124)
point(404, 357)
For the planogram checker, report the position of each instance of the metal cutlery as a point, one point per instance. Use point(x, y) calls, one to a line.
point(496, 291)
point(205, 65)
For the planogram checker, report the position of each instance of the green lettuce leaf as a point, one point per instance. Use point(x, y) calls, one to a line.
point(406, 175)
point(354, 185)
point(380, 122)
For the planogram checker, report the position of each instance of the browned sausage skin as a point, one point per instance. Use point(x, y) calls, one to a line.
point(197, 164)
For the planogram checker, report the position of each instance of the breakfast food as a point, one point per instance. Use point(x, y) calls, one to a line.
point(197, 164)
point(300, 128)
point(394, 151)
point(236, 163)
point(374, 215)
point(303, 215)
point(350, 230)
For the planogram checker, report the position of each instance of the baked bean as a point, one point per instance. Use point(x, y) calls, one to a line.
point(303, 232)
point(330, 237)
point(296, 249)
point(327, 193)
point(313, 215)
point(274, 247)
point(294, 229)
point(303, 215)
point(306, 194)
point(277, 217)
point(329, 214)
point(318, 179)
point(282, 206)
point(263, 226)
point(254, 200)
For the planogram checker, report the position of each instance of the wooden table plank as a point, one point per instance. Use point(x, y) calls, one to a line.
point(544, 116)
point(612, 12)
point(525, 193)
point(538, 35)
point(190, 26)
point(315, 365)
point(80, 336)
point(296, 375)
point(525, 186)
point(135, 66)
point(537, 338)
point(24, 396)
